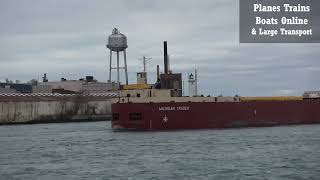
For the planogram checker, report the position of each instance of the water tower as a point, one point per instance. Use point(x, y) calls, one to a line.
point(117, 42)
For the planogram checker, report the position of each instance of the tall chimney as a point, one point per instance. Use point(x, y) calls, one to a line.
point(165, 53)
point(158, 72)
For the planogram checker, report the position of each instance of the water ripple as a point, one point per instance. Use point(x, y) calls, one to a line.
point(94, 151)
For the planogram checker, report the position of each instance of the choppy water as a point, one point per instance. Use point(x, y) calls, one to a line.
point(94, 151)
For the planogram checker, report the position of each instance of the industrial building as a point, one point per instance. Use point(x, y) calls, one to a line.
point(81, 86)
point(15, 88)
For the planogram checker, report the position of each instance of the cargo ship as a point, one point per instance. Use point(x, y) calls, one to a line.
point(162, 106)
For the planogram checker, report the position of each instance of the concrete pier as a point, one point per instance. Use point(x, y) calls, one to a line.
point(36, 108)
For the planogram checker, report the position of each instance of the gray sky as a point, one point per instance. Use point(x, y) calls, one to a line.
point(67, 39)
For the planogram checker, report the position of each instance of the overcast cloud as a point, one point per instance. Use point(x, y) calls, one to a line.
point(67, 39)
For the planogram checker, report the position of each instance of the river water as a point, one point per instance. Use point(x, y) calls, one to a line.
point(94, 151)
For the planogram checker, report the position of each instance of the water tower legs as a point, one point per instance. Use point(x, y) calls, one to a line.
point(118, 66)
point(118, 72)
point(110, 68)
point(125, 65)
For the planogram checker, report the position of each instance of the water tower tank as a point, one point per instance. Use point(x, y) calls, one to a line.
point(117, 41)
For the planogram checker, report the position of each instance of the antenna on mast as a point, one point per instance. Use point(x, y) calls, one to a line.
point(145, 60)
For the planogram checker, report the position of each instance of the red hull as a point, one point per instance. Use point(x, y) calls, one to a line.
point(206, 115)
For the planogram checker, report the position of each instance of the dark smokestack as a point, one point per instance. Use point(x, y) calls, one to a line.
point(165, 53)
point(158, 72)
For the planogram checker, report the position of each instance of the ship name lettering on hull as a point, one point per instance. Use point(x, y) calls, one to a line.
point(174, 108)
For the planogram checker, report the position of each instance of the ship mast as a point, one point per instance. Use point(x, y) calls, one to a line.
point(144, 62)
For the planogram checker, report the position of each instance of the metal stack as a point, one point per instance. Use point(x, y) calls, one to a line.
point(170, 80)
